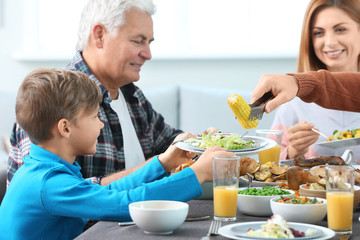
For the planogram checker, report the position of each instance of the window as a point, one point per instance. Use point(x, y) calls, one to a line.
point(182, 28)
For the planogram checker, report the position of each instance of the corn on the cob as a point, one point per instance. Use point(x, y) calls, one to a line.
point(241, 111)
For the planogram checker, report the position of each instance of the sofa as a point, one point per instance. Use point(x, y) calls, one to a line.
point(194, 108)
point(187, 107)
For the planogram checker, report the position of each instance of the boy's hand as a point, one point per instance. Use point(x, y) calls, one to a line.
point(173, 156)
point(203, 167)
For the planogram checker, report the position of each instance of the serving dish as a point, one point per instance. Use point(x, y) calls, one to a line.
point(303, 191)
point(256, 205)
point(304, 213)
point(256, 183)
point(340, 143)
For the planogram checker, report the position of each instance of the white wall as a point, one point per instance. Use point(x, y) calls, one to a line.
point(226, 73)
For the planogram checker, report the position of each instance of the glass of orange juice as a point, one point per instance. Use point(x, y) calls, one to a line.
point(226, 184)
point(340, 198)
point(271, 154)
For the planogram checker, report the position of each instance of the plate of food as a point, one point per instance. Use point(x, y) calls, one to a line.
point(269, 174)
point(256, 183)
point(341, 143)
point(276, 228)
point(232, 142)
point(341, 139)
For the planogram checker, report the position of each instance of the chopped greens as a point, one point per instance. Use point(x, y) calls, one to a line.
point(231, 142)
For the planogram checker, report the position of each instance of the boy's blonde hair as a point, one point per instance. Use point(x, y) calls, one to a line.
point(49, 95)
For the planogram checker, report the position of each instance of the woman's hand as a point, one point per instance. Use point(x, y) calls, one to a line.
point(301, 137)
point(283, 87)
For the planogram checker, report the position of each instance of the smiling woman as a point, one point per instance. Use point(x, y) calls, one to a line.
point(330, 40)
point(335, 37)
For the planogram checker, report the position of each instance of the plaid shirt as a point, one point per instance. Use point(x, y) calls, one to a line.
point(153, 133)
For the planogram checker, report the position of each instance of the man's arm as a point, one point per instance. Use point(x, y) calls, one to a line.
point(20, 146)
point(116, 176)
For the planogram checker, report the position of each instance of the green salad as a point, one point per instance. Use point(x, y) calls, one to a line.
point(231, 142)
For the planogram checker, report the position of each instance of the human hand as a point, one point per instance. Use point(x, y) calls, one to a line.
point(301, 137)
point(203, 167)
point(173, 156)
point(211, 130)
point(283, 87)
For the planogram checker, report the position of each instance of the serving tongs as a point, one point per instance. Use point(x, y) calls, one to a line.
point(258, 107)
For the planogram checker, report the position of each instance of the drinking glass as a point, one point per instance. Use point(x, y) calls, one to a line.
point(340, 198)
point(271, 154)
point(225, 184)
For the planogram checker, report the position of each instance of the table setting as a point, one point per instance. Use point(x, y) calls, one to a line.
point(228, 214)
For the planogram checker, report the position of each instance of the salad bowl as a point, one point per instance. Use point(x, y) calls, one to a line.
point(257, 205)
point(304, 213)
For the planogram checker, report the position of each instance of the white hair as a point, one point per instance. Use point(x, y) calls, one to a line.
point(111, 14)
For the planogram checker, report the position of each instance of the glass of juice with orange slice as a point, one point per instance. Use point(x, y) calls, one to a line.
point(340, 198)
point(226, 183)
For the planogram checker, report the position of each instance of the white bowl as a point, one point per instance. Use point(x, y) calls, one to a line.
point(256, 205)
point(304, 213)
point(158, 217)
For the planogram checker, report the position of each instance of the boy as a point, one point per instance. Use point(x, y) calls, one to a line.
point(59, 111)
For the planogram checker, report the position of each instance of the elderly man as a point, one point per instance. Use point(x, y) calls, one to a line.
point(114, 43)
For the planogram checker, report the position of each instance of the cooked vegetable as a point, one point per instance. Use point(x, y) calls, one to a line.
point(263, 174)
point(248, 165)
point(338, 135)
point(316, 186)
point(264, 191)
point(298, 200)
point(241, 111)
point(279, 170)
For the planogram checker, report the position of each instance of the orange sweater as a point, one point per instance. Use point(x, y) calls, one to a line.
point(333, 90)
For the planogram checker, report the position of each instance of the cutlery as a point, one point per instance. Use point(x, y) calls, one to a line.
point(250, 179)
point(244, 134)
point(213, 230)
point(123, 224)
point(317, 131)
point(258, 107)
point(188, 219)
point(191, 219)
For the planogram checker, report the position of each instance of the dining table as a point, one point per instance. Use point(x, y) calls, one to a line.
point(188, 230)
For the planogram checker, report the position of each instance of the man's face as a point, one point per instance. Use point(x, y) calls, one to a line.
point(123, 56)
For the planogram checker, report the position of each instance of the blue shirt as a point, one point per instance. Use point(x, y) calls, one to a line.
point(59, 200)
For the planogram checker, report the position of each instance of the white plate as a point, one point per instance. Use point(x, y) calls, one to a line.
point(262, 144)
point(356, 166)
point(229, 231)
point(341, 143)
point(241, 231)
point(259, 183)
